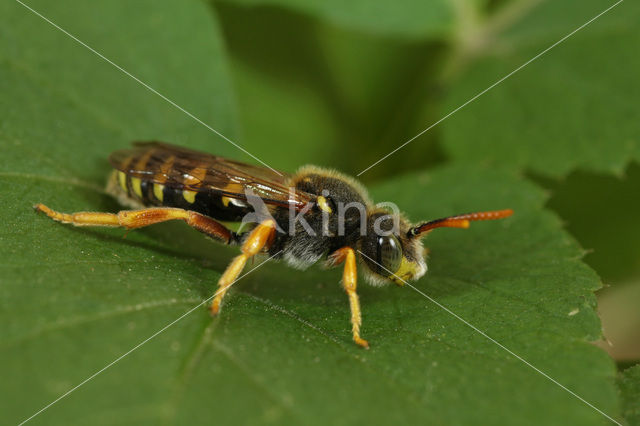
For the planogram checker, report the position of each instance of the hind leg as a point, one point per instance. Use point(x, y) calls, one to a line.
point(131, 219)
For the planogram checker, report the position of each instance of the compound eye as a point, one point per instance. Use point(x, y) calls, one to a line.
point(389, 254)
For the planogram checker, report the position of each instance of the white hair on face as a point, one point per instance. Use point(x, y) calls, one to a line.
point(373, 278)
point(422, 269)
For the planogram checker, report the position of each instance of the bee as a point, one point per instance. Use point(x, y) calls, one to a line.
point(300, 218)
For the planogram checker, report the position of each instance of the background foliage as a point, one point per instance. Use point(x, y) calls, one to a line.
point(337, 84)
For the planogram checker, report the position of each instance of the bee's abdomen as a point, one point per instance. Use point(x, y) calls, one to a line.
point(135, 191)
point(152, 192)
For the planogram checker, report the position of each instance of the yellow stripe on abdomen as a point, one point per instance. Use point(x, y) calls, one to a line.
point(190, 196)
point(193, 180)
point(122, 180)
point(136, 186)
point(158, 191)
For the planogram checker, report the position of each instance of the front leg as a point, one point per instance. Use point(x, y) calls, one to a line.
point(349, 281)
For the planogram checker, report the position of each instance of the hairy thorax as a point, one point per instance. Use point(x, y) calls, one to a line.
point(334, 220)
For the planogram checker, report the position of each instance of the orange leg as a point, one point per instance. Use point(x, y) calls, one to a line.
point(260, 237)
point(131, 219)
point(349, 281)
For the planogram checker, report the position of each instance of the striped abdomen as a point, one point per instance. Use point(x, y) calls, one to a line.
point(149, 182)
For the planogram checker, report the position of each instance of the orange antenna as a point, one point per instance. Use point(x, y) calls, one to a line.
point(459, 221)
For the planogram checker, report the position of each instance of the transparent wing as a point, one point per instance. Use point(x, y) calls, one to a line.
point(196, 171)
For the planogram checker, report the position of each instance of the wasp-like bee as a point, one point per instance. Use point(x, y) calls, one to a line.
point(305, 217)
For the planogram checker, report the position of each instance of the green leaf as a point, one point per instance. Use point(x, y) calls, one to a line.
point(629, 383)
point(574, 107)
point(405, 18)
point(60, 94)
point(75, 299)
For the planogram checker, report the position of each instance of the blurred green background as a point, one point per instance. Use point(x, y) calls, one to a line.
point(337, 84)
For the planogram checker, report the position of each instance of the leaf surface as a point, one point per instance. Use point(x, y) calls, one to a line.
point(75, 299)
point(630, 389)
point(281, 349)
point(573, 107)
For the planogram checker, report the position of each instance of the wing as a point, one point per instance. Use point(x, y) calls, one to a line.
point(190, 170)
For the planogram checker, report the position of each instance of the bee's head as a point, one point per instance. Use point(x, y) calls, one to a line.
point(388, 252)
point(392, 248)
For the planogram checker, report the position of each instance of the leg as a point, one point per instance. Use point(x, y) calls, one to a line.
point(131, 219)
point(260, 237)
point(349, 280)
